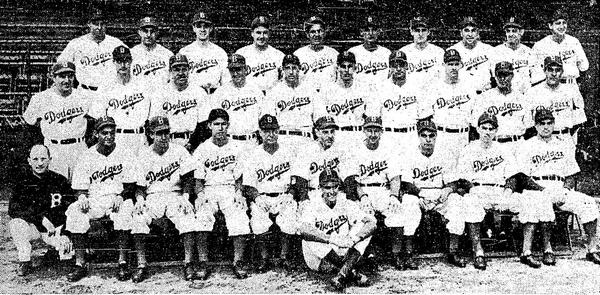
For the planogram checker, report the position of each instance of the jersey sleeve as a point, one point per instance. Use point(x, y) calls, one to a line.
point(571, 166)
point(582, 62)
point(200, 172)
point(132, 171)
point(34, 110)
point(355, 213)
point(81, 179)
point(309, 214)
point(186, 160)
point(143, 163)
point(68, 54)
point(249, 176)
point(511, 166)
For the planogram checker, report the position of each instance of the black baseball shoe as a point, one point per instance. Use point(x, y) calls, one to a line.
point(338, 282)
point(593, 257)
point(24, 268)
point(360, 279)
point(480, 263)
point(456, 260)
point(139, 274)
point(530, 261)
point(238, 270)
point(188, 272)
point(202, 271)
point(410, 262)
point(123, 272)
point(399, 260)
point(79, 272)
point(263, 266)
point(549, 258)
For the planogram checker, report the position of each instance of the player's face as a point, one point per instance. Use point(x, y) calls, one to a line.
point(504, 79)
point(419, 34)
point(238, 75)
point(161, 138)
point(452, 68)
point(218, 128)
point(558, 27)
point(316, 34)
point(269, 136)
point(487, 132)
point(470, 34)
point(106, 136)
point(180, 74)
point(148, 35)
point(373, 134)
point(64, 82)
point(39, 159)
point(123, 66)
point(369, 35)
point(202, 30)
point(514, 35)
point(97, 29)
point(291, 73)
point(325, 136)
point(346, 70)
point(545, 128)
point(427, 140)
point(553, 74)
point(330, 190)
point(260, 36)
point(398, 70)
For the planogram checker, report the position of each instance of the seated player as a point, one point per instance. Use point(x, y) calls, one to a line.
point(37, 208)
point(164, 189)
point(335, 231)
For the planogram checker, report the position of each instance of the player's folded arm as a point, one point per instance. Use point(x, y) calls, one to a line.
point(459, 186)
point(369, 227)
point(309, 233)
point(409, 188)
point(521, 181)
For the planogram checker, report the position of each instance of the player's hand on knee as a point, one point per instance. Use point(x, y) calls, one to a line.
point(117, 203)
point(138, 208)
point(84, 203)
point(200, 201)
point(49, 226)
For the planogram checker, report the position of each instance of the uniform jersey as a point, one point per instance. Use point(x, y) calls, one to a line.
point(513, 111)
point(128, 104)
point(208, 64)
point(451, 104)
point(315, 159)
point(318, 67)
point(345, 105)
point(397, 106)
point(61, 117)
point(218, 165)
point(338, 220)
point(152, 66)
point(424, 66)
point(491, 165)
point(262, 65)
point(570, 51)
point(92, 60)
point(372, 67)
point(561, 100)
point(476, 62)
point(184, 109)
point(293, 107)
point(162, 173)
point(242, 104)
point(427, 172)
point(268, 173)
point(104, 175)
point(541, 158)
point(374, 166)
point(524, 65)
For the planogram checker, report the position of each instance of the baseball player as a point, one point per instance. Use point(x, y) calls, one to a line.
point(371, 58)
point(335, 232)
point(294, 103)
point(185, 104)
point(164, 190)
point(104, 181)
point(520, 55)
point(207, 60)
point(92, 53)
point(37, 210)
point(318, 60)
point(267, 170)
point(242, 101)
point(550, 161)
point(564, 100)
point(375, 171)
point(475, 54)
point(150, 60)
point(127, 100)
point(424, 59)
point(262, 59)
point(345, 100)
point(61, 112)
point(219, 187)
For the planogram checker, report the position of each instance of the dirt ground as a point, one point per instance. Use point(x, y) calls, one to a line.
point(504, 275)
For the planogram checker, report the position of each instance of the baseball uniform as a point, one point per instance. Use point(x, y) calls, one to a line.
point(569, 50)
point(424, 65)
point(262, 65)
point(208, 64)
point(524, 64)
point(315, 160)
point(318, 67)
point(151, 66)
point(372, 67)
point(476, 63)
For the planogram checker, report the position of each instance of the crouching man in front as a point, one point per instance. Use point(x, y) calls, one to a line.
point(335, 232)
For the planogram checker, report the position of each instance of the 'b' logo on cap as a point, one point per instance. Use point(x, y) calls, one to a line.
point(512, 19)
point(269, 119)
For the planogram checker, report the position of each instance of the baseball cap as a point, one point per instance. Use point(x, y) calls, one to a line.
point(328, 175)
point(552, 60)
point(201, 17)
point(487, 118)
point(373, 121)
point(103, 122)
point(512, 22)
point(469, 21)
point(419, 21)
point(268, 122)
point(451, 55)
point(426, 125)
point(148, 21)
point(504, 67)
point(96, 15)
point(159, 123)
point(218, 113)
point(63, 67)
point(290, 59)
point(325, 122)
point(178, 59)
point(121, 53)
point(558, 14)
point(260, 21)
point(346, 56)
point(236, 61)
point(399, 57)
point(314, 20)
point(370, 22)
point(542, 114)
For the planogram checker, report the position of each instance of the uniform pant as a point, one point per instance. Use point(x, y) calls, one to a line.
point(100, 206)
point(580, 204)
point(314, 252)
point(283, 205)
point(230, 202)
point(451, 209)
point(134, 141)
point(23, 233)
point(406, 214)
point(167, 204)
point(65, 156)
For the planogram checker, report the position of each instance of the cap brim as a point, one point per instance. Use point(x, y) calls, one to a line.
point(235, 66)
point(179, 63)
point(426, 129)
point(512, 25)
point(328, 126)
point(105, 124)
point(495, 124)
point(160, 128)
point(372, 125)
point(552, 63)
point(399, 60)
point(145, 25)
point(269, 127)
point(419, 25)
point(64, 70)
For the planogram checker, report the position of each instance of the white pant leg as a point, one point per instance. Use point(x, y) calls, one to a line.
point(314, 252)
point(234, 208)
point(22, 234)
point(100, 206)
point(283, 205)
point(451, 209)
point(535, 207)
point(259, 214)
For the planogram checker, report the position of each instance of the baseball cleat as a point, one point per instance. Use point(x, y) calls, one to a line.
point(263, 266)
point(202, 271)
point(593, 257)
point(456, 260)
point(188, 272)
point(549, 258)
point(480, 263)
point(79, 272)
point(410, 262)
point(530, 261)
point(360, 279)
point(123, 273)
point(24, 268)
point(338, 282)
point(238, 270)
point(139, 274)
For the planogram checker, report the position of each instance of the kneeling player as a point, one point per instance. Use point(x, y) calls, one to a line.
point(335, 231)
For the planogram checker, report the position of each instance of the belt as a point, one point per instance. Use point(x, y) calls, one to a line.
point(291, 132)
point(139, 130)
point(452, 130)
point(184, 135)
point(351, 128)
point(374, 184)
point(562, 131)
point(509, 138)
point(92, 88)
point(273, 195)
point(549, 177)
point(402, 130)
point(66, 141)
point(568, 81)
point(487, 184)
point(243, 137)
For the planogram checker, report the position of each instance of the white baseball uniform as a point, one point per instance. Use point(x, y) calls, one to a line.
point(524, 64)
point(152, 65)
point(208, 64)
point(63, 125)
point(476, 63)
point(262, 66)
point(424, 65)
point(315, 159)
point(372, 67)
point(318, 67)
point(570, 51)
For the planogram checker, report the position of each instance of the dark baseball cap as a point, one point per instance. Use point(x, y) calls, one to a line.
point(487, 118)
point(261, 21)
point(423, 125)
point(236, 61)
point(346, 56)
point(159, 123)
point(104, 122)
point(63, 67)
point(218, 113)
point(178, 59)
point(512, 22)
point(373, 121)
point(268, 122)
point(96, 15)
point(451, 55)
point(418, 22)
point(314, 20)
point(121, 53)
point(370, 22)
point(469, 21)
point(398, 57)
point(290, 59)
point(201, 17)
point(148, 21)
point(552, 61)
point(325, 122)
point(504, 67)
point(328, 175)
point(542, 114)
point(558, 14)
